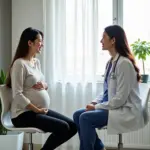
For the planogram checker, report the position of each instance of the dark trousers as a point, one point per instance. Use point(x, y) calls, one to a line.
point(61, 127)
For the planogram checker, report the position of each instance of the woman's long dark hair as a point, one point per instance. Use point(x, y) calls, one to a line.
point(22, 51)
point(121, 44)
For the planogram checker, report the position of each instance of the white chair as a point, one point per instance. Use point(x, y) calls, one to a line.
point(120, 143)
point(145, 95)
point(6, 98)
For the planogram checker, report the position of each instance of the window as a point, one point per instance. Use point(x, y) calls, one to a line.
point(136, 23)
point(73, 30)
point(85, 23)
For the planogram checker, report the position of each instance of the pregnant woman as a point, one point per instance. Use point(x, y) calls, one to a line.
point(30, 105)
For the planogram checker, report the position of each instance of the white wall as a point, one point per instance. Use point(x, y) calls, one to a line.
point(5, 34)
point(26, 13)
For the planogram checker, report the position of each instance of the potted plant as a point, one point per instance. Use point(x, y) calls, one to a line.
point(141, 49)
point(14, 138)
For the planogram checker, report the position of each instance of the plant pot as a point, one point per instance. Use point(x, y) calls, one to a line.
point(12, 141)
point(144, 78)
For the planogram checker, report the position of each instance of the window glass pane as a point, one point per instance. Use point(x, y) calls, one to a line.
point(85, 23)
point(136, 23)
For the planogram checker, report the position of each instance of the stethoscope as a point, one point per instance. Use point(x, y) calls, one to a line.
point(112, 74)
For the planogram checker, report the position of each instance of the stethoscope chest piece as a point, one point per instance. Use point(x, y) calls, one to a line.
point(113, 76)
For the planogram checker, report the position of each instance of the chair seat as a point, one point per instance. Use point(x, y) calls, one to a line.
point(8, 125)
point(28, 129)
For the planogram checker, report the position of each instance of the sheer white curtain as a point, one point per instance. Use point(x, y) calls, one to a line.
point(72, 60)
point(73, 29)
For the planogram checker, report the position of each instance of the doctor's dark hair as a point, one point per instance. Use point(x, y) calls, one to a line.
point(121, 45)
point(29, 34)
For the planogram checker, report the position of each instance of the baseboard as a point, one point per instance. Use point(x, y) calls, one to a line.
point(38, 147)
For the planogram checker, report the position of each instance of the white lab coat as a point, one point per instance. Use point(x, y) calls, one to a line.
point(124, 103)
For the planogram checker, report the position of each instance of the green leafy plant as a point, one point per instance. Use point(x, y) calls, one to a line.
point(141, 49)
point(3, 130)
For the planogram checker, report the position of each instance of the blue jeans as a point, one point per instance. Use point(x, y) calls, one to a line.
point(86, 122)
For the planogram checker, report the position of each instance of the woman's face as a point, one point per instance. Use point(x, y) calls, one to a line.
point(35, 47)
point(107, 43)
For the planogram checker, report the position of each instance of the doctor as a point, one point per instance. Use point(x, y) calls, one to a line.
point(119, 107)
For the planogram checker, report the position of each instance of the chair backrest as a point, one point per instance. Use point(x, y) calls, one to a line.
point(6, 99)
point(145, 96)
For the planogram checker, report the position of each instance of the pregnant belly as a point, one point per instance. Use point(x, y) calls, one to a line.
point(39, 98)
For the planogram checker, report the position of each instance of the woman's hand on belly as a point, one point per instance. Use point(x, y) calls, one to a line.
point(40, 86)
point(35, 109)
point(42, 111)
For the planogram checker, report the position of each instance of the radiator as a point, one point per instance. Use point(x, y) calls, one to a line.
point(66, 99)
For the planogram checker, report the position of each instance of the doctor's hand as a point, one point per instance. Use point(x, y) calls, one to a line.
point(40, 86)
point(90, 107)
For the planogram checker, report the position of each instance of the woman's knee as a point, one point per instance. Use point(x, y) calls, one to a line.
point(77, 114)
point(63, 127)
point(68, 130)
point(83, 118)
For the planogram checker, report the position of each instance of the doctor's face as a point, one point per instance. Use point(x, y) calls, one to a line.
point(107, 42)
